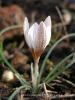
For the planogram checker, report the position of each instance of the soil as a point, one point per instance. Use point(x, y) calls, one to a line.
point(18, 54)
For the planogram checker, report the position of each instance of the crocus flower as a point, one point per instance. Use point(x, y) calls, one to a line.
point(37, 36)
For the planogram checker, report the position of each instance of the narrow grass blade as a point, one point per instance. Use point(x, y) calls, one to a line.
point(10, 28)
point(17, 91)
point(58, 66)
point(21, 79)
point(59, 72)
point(50, 51)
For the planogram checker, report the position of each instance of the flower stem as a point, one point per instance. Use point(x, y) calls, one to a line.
point(36, 73)
point(36, 67)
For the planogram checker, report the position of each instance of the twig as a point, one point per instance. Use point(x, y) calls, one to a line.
point(58, 97)
point(59, 24)
point(21, 45)
point(45, 90)
point(20, 96)
point(61, 18)
point(67, 81)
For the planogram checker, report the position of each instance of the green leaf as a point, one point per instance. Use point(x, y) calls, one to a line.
point(59, 72)
point(21, 79)
point(50, 51)
point(10, 28)
point(17, 91)
point(58, 67)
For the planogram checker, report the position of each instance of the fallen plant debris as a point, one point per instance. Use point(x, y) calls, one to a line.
point(16, 52)
point(14, 17)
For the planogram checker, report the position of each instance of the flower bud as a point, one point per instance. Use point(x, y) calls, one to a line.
point(37, 36)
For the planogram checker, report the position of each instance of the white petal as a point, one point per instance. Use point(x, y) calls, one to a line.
point(48, 35)
point(48, 29)
point(26, 25)
point(48, 21)
point(30, 37)
point(41, 37)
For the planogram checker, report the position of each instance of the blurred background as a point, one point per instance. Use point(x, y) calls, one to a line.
point(13, 12)
point(61, 11)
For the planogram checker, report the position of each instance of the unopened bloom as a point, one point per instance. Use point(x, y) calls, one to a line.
point(37, 36)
